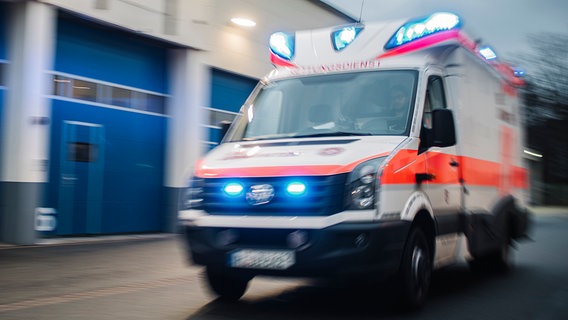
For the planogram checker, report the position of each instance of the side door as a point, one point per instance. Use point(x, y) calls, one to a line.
point(442, 184)
point(81, 178)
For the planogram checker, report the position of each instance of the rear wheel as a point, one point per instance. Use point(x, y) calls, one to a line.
point(415, 271)
point(499, 261)
point(227, 286)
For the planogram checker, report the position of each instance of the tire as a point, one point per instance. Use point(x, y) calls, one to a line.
point(415, 272)
point(502, 261)
point(499, 261)
point(226, 286)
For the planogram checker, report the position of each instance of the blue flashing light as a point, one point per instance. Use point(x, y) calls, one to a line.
point(518, 72)
point(416, 29)
point(296, 188)
point(282, 44)
point(487, 53)
point(343, 37)
point(233, 189)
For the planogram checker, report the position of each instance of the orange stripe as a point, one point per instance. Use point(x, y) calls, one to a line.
point(520, 178)
point(401, 169)
point(405, 164)
point(480, 172)
point(487, 173)
point(439, 164)
point(270, 171)
point(281, 171)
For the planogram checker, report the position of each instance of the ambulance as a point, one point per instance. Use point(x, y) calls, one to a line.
point(373, 151)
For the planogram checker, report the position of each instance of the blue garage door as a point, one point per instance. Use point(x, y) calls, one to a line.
point(3, 62)
point(228, 93)
point(107, 130)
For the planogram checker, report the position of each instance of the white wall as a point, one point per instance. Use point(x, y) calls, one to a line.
point(245, 50)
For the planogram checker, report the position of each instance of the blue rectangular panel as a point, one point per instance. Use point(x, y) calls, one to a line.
point(229, 91)
point(112, 55)
point(133, 173)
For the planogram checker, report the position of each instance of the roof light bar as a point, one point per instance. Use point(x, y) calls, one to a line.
point(416, 29)
point(282, 44)
point(343, 37)
point(518, 72)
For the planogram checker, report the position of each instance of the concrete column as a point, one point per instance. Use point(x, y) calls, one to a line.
point(25, 122)
point(190, 87)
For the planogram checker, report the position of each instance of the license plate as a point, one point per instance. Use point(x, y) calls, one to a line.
point(262, 259)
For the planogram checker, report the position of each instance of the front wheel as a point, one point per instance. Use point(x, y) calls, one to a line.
point(415, 271)
point(227, 286)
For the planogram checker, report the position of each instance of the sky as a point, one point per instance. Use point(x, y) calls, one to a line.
point(502, 24)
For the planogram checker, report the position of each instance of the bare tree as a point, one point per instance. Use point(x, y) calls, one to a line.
point(546, 93)
point(545, 100)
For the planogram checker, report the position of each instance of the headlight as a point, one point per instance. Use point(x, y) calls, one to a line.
point(192, 197)
point(362, 184)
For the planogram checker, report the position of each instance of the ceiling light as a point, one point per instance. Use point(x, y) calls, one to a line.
point(243, 22)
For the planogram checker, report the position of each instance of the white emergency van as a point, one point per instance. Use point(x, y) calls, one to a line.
point(372, 151)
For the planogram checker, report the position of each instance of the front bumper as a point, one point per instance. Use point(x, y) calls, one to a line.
point(345, 249)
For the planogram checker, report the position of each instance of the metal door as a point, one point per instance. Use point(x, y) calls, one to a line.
point(81, 178)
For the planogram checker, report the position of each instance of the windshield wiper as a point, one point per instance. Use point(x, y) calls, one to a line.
point(331, 134)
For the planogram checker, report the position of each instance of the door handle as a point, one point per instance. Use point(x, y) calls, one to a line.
point(421, 177)
point(454, 163)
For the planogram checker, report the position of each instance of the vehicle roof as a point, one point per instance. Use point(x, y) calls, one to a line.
point(314, 52)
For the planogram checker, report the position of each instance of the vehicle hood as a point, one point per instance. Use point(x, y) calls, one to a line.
point(307, 156)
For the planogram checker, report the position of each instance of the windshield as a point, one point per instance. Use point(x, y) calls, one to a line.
point(359, 103)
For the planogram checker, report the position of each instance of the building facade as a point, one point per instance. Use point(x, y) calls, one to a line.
point(106, 104)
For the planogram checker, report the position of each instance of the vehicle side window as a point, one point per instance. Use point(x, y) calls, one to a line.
point(435, 91)
point(435, 99)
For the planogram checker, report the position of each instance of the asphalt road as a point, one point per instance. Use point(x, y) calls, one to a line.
point(148, 278)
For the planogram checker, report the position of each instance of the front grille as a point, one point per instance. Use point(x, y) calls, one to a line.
point(324, 196)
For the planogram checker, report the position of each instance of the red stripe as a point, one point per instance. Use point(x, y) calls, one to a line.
point(424, 42)
point(279, 61)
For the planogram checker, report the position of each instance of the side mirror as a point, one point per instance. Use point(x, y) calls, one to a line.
point(443, 128)
point(224, 128)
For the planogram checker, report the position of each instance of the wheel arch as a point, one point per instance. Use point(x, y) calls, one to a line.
point(418, 209)
point(425, 222)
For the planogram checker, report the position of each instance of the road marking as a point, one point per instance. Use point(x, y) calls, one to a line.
point(39, 302)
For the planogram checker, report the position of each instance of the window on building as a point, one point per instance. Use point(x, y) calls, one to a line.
point(121, 97)
point(66, 86)
point(155, 103)
point(81, 152)
point(84, 90)
point(62, 86)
